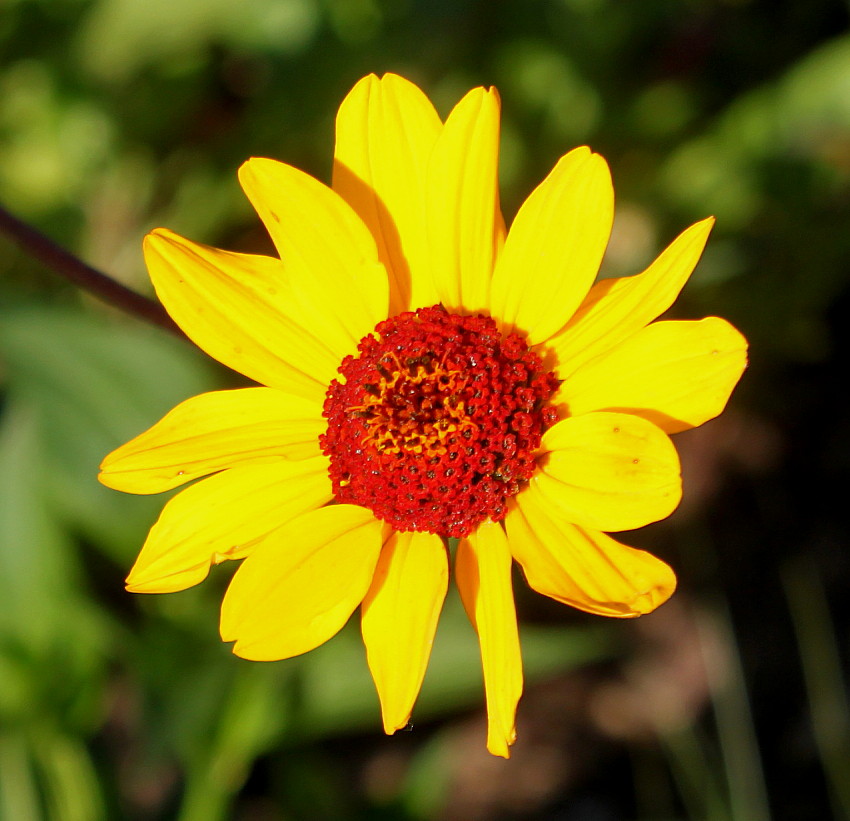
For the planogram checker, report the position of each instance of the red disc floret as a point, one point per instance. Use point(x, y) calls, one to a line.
point(435, 423)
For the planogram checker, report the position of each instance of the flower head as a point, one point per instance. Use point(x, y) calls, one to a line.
point(424, 374)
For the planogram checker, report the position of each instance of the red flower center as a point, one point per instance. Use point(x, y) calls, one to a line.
point(435, 423)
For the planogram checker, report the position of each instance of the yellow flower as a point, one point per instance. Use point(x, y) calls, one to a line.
point(435, 376)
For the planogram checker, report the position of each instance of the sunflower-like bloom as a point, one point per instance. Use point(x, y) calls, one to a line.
point(425, 375)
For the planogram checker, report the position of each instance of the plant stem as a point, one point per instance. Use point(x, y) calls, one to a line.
point(67, 265)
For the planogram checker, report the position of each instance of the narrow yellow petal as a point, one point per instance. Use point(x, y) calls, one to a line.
point(385, 131)
point(238, 308)
point(675, 374)
point(338, 284)
point(609, 471)
point(464, 221)
point(300, 585)
point(213, 431)
point(554, 247)
point(583, 568)
point(616, 308)
point(224, 517)
point(483, 567)
point(400, 614)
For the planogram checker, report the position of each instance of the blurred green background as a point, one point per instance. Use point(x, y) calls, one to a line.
point(117, 116)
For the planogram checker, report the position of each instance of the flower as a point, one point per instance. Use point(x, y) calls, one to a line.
point(425, 375)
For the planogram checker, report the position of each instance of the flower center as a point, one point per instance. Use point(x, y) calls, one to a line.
point(435, 423)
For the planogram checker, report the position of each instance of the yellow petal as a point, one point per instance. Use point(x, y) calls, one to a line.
point(338, 285)
point(554, 247)
point(213, 431)
point(483, 567)
point(616, 308)
point(609, 471)
point(400, 614)
point(237, 308)
point(464, 222)
point(583, 568)
point(385, 131)
point(675, 374)
point(224, 517)
point(300, 585)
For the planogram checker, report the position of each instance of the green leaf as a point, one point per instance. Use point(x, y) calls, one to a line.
point(92, 386)
point(18, 789)
point(71, 786)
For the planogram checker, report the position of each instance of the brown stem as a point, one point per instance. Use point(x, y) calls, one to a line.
point(67, 265)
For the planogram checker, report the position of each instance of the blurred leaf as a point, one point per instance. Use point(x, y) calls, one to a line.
point(18, 790)
point(36, 567)
point(542, 78)
point(46, 622)
point(122, 36)
point(428, 779)
point(71, 785)
point(245, 719)
point(92, 386)
point(52, 638)
point(51, 144)
point(805, 115)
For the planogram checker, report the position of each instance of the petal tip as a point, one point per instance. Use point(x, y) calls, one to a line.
point(253, 165)
point(392, 726)
point(244, 651)
point(227, 631)
point(600, 166)
point(105, 477)
point(157, 233)
point(703, 227)
point(579, 152)
point(147, 579)
point(137, 587)
point(501, 747)
point(652, 597)
point(481, 99)
point(246, 169)
point(155, 238)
